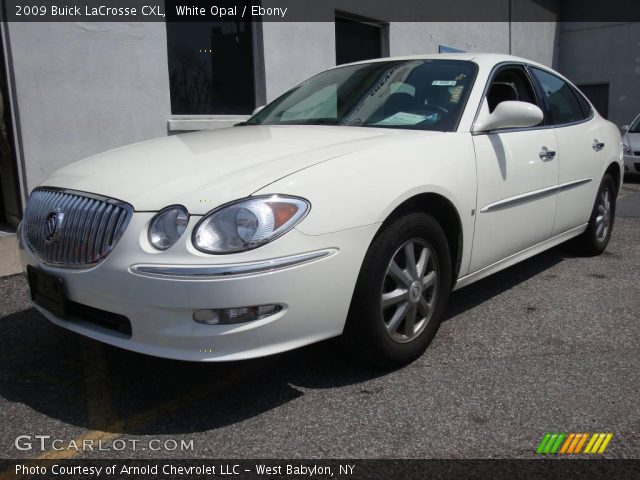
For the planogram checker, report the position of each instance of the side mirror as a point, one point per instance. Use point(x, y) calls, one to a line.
point(624, 128)
point(257, 109)
point(508, 114)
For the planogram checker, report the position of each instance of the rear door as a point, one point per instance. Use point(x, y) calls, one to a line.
point(517, 176)
point(581, 148)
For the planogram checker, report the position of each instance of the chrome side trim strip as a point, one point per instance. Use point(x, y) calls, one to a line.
point(204, 272)
point(576, 183)
point(518, 199)
point(529, 196)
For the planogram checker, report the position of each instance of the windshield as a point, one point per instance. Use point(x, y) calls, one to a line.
point(415, 94)
point(635, 126)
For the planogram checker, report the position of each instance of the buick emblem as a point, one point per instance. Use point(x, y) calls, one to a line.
point(415, 292)
point(53, 224)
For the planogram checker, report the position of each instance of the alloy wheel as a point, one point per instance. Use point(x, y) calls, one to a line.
point(409, 290)
point(603, 216)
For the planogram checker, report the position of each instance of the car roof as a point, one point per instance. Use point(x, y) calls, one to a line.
point(482, 59)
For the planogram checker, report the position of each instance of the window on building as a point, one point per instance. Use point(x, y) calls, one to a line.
point(211, 68)
point(563, 103)
point(357, 40)
point(598, 94)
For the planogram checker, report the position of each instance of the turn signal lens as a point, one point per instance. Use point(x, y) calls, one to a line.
point(227, 316)
point(248, 223)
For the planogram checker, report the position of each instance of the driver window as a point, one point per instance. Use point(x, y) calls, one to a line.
point(510, 83)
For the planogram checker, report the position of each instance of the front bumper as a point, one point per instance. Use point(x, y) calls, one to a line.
point(632, 164)
point(315, 293)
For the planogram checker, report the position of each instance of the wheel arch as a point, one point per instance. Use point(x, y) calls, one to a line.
point(447, 215)
point(614, 170)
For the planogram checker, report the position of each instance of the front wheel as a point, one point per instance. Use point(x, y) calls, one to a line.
point(401, 292)
point(596, 237)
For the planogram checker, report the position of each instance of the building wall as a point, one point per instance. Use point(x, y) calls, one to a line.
point(295, 51)
point(83, 88)
point(413, 38)
point(605, 52)
point(537, 41)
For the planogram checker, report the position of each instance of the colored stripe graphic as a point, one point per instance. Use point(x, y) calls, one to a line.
point(550, 443)
point(572, 443)
point(543, 443)
point(591, 443)
point(554, 449)
point(581, 442)
point(598, 442)
point(607, 439)
point(567, 443)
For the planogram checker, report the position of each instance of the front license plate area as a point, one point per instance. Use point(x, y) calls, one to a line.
point(47, 291)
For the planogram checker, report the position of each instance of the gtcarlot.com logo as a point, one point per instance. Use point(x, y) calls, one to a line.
point(574, 443)
point(44, 443)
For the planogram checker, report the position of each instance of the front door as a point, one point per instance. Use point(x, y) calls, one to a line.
point(517, 173)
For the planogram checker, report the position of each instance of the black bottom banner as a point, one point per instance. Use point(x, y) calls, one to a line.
point(320, 469)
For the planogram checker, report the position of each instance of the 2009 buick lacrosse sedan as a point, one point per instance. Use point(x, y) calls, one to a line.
point(353, 204)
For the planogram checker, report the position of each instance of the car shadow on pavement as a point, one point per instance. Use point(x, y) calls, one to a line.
point(479, 292)
point(69, 378)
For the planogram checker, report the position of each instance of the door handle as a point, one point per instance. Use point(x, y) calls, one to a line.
point(546, 154)
point(597, 146)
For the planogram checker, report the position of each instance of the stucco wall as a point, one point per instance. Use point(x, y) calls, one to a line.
point(295, 51)
point(605, 52)
point(83, 88)
point(413, 38)
point(538, 41)
point(535, 41)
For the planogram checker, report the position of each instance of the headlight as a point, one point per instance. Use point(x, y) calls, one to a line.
point(167, 227)
point(248, 223)
point(626, 149)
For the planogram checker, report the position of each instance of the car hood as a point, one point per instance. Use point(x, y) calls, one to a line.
point(203, 170)
point(633, 140)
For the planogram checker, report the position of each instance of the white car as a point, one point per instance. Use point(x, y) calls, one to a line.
point(631, 146)
point(353, 204)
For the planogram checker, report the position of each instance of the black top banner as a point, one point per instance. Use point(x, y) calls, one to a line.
point(319, 11)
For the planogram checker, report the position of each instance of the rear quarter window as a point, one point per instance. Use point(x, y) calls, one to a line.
point(564, 104)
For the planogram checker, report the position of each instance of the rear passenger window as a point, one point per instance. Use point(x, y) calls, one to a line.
point(563, 103)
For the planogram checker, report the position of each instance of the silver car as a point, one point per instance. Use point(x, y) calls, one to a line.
point(631, 146)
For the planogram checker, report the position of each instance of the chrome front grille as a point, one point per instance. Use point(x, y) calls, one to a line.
point(73, 229)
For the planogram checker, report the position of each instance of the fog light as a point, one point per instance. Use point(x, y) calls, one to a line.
point(226, 316)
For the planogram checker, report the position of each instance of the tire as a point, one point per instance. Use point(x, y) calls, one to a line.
point(377, 335)
point(594, 240)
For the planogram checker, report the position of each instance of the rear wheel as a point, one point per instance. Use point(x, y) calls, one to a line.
point(596, 237)
point(401, 293)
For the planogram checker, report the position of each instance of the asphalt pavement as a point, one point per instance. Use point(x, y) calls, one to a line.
point(549, 345)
